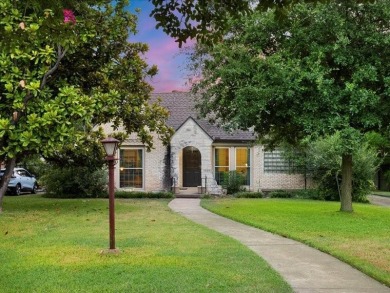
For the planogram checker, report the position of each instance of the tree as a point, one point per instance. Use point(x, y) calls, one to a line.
point(67, 66)
point(321, 161)
point(207, 21)
point(323, 69)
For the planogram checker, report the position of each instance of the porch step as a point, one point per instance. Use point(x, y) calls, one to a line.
point(179, 195)
point(188, 190)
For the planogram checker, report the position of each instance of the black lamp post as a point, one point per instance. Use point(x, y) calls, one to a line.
point(110, 146)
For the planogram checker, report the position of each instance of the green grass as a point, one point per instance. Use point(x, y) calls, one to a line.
point(382, 193)
point(361, 239)
point(54, 245)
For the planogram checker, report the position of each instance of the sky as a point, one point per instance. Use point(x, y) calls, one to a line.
point(163, 51)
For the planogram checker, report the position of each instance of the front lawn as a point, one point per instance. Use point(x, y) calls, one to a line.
point(54, 245)
point(361, 239)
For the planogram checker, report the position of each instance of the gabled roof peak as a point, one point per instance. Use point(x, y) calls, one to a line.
point(181, 106)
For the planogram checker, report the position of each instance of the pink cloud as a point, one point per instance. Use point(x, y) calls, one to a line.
point(171, 65)
point(163, 51)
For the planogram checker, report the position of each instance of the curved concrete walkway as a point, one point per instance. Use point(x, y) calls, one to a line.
point(304, 268)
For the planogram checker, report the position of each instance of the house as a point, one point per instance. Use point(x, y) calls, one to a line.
point(198, 155)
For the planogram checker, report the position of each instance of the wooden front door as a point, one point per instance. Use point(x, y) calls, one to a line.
point(191, 167)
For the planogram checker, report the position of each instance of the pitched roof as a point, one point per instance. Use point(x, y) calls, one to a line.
point(181, 106)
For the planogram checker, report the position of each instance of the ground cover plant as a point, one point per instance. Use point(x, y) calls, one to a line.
point(53, 245)
point(361, 239)
point(141, 194)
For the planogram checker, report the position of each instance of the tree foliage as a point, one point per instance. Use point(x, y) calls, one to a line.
point(207, 21)
point(321, 160)
point(321, 70)
point(62, 76)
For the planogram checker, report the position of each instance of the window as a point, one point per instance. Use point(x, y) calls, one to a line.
point(131, 168)
point(221, 163)
point(22, 173)
point(274, 162)
point(243, 163)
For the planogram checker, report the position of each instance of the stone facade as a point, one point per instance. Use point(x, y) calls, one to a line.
point(190, 134)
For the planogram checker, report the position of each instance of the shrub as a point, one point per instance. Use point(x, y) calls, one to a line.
point(140, 194)
point(74, 182)
point(307, 194)
point(325, 161)
point(248, 194)
point(299, 193)
point(322, 162)
point(233, 182)
point(281, 194)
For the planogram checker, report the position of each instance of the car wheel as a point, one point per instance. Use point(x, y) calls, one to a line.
point(17, 189)
point(34, 189)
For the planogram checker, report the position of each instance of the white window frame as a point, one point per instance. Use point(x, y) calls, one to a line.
point(248, 165)
point(135, 168)
point(215, 161)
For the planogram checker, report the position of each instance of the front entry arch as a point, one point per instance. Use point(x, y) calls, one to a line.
point(192, 166)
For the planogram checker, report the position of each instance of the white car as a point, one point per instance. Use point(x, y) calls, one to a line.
point(21, 181)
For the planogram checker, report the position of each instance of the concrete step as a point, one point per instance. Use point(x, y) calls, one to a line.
point(179, 195)
point(188, 190)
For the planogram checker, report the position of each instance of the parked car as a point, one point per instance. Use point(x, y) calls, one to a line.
point(21, 181)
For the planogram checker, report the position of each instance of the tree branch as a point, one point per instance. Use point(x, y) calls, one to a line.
point(60, 55)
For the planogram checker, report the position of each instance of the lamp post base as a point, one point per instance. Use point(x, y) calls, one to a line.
point(110, 251)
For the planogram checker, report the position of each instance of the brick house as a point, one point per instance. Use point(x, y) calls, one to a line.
point(197, 156)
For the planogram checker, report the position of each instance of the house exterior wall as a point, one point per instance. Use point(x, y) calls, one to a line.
point(264, 181)
point(155, 163)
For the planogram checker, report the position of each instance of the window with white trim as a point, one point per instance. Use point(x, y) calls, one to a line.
point(131, 168)
point(243, 164)
point(221, 163)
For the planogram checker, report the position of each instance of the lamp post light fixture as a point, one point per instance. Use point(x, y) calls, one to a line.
point(110, 146)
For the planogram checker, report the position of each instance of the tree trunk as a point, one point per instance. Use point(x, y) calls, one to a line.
point(9, 167)
point(346, 184)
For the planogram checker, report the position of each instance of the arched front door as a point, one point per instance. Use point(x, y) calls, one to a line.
point(191, 167)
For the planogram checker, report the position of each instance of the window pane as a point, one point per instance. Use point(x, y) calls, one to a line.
point(242, 157)
point(243, 163)
point(222, 157)
point(219, 171)
point(131, 178)
point(245, 172)
point(131, 169)
point(131, 158)
point(275, 162)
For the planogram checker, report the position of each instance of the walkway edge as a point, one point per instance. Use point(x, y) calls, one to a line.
point(304, 268)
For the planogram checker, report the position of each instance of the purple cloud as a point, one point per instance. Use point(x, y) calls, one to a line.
point(163, 51)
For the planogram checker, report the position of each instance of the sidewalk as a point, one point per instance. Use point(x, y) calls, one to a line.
point(304, 268)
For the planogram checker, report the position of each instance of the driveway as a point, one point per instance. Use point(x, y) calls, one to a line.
point(379, 200)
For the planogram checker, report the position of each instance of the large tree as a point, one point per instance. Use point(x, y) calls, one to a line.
point(322, 69)
point(66, 66)
point(207, 20)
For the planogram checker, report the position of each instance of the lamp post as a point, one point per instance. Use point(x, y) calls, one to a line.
point(110, 146)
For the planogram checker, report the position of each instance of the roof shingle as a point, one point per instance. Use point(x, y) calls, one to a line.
point(181, 106)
